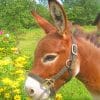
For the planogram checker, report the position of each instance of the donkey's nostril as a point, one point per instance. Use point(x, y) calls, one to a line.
point(31, 92)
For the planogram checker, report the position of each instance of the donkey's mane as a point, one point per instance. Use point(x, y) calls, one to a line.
point(88, 48)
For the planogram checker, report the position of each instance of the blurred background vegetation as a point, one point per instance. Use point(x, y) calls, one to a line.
point(16, 14)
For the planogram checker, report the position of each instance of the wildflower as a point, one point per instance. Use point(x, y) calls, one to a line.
point(15, 84)
point(5, 62)
point(7, 95)
point(58, 97)
point(17, 97)
point(1, 90)
point(20, 79)
point(19, 72)
point(1, 62)
point(20, 62)
point(17, 91)
point(18, 65)
point(15, 50)
point(7, 35)
point(7, 81)
point(1, 32)
point(1, 49)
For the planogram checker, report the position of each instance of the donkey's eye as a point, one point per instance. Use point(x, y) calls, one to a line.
point(49, 58)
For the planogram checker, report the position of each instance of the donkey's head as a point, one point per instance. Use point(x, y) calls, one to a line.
point(56, 58)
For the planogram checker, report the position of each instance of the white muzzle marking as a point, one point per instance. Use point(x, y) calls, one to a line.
point(34, 89)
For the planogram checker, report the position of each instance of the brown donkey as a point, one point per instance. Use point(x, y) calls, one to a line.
point(60, 56)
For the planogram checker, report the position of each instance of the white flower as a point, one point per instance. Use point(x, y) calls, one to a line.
point(7, 35)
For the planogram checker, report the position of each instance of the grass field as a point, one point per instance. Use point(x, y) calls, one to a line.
point(73, 90)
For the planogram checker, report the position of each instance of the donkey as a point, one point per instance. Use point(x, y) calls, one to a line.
point(60, 56)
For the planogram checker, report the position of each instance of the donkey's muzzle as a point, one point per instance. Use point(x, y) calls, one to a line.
point(35, 90)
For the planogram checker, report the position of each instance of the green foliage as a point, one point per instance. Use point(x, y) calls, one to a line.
point(15, 14)
point(43, 11)
point(82, 11)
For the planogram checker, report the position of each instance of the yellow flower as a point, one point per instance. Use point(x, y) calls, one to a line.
point(21, 59)
point(58, 97)
point(5, 62)
point(21, 79)
point(19, 65)
point(14, 49)
point(7, 95)
point(20, 62)
point(7, 81)
point(19, 72)
point(1, 90)
point(17, 97)
point(1, 49)
point(15, 84)
point(17, 91)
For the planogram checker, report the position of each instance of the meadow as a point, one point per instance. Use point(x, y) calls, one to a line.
point(16, 57)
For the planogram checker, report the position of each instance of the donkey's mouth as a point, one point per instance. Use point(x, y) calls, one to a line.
point(35, 91)
point(39, 98)
point(34, 96)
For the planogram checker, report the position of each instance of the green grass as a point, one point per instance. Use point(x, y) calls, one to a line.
point(28, 41)
point(73, 90)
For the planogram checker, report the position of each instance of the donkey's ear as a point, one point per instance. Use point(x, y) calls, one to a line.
point(44, 24)
point(58, 15)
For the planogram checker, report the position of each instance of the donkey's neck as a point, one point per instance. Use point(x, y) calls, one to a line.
point(89, 65)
